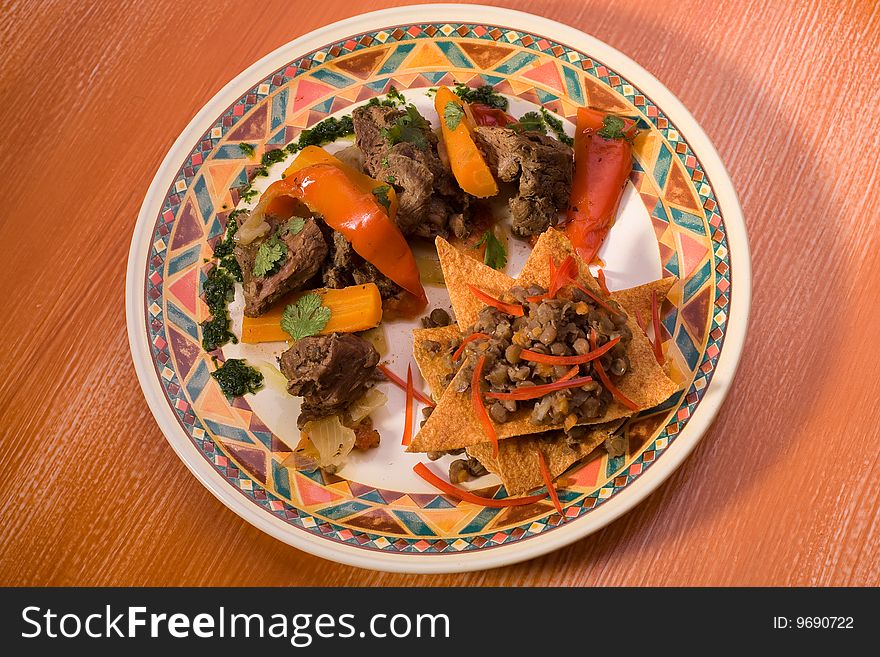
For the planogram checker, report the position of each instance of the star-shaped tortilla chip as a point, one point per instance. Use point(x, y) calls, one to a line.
point(516, 463)
point(452, 424)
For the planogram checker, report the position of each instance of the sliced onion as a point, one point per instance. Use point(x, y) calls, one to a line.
point(271, 375)
point(305, 457)
point(366, 404)
point(254, 227)
point(332, 441)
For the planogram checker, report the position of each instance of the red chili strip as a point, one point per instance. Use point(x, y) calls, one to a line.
point(623, 399)
point(566, 273)
point(533, 392)
point(396, 380)
point(597, 365)
point(640, 321)
point(466, 496)
point(655, 321)
point(408, 415)
point(470, 338)
point(479, 407)
point(559, 278)
point(602, 283)
point(514, 309)
point(569, 375)
point(548, 481)
point(535, 357)
point(595, 297)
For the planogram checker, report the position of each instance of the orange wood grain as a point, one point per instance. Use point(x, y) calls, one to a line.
point(784, 489)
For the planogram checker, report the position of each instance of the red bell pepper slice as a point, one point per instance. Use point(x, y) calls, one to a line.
point(326, 190)
point(408, 415)
point(595, 297)
point(602, 167)
point(606, 381)
point(490, 116)
point(396, 380)
point(570, 374)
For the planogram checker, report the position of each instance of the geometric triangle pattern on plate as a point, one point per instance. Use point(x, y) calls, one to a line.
point(685, 216)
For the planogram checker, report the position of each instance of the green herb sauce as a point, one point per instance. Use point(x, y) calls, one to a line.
point(236, 378)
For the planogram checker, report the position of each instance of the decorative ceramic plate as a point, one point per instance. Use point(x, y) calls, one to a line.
point(679, 216)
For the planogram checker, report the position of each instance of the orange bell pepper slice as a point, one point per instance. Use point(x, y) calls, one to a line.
point(468, 165)
point(316, 155)
point(601, 169)
point(326, 190)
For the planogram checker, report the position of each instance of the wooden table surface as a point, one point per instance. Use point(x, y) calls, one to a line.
point(784, 489)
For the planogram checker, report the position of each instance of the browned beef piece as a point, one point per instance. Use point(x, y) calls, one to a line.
point(306, 252)
point(544, 167)
point(328, 372)
point(344, 267)
point(431, 202)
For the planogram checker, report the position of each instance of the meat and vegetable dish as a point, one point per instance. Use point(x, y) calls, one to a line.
point(527, 376)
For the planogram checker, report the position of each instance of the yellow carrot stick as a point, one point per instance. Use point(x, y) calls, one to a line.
point(355, 308)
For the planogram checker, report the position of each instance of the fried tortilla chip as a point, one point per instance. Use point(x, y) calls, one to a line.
point(517, 462)
point(552, 244)
point(458, 271)
point(637, 300)
point(514, 466)
point(435, 365)
point(452, 424)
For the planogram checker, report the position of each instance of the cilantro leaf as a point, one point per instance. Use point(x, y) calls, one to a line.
point(307, 316)
point(381, 194)
point(452, 115)
point(247, 149)
point(556, 126)
point(293, 226)
point(409, 127)
point(395, 96)
point(612, 127)
point(392, 99)
point(328, 130)
point(530, 122)
point(496, 255)
point(270, 255)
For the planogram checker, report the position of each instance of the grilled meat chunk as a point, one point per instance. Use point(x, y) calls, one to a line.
point(544, 167)
point(344, 267)
point(329, 372)
point(304, 254)
point(431, 203)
